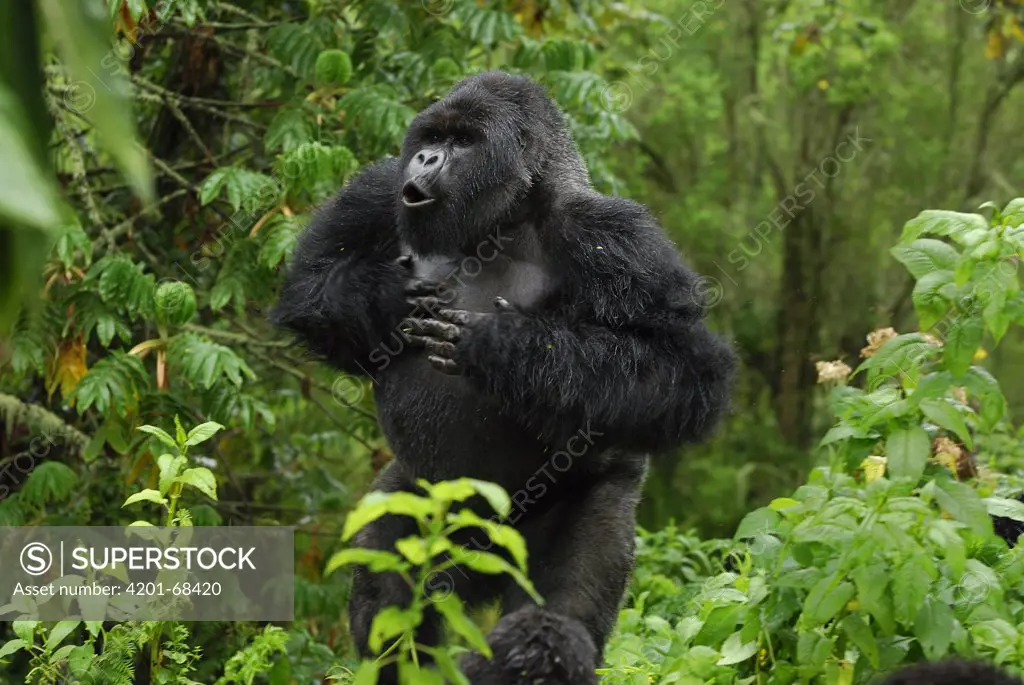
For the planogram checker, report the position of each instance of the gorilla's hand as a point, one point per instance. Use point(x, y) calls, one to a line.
point(439, 330)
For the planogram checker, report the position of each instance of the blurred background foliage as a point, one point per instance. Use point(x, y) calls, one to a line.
point(159, 159)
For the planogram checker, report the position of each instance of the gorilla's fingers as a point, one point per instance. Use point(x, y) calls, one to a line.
point(431, 328)
point(446, 365)
point(426, 303)
point(460, 317)
point(439, 348)
point(421, 286)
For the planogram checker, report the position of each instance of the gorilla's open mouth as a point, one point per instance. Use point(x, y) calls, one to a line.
point(413, 195)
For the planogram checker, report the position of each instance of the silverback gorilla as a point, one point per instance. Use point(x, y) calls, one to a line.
point(509, 314)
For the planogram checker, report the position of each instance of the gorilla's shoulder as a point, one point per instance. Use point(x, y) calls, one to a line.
point(360, 216)
point(373, 187)
point(618, 233)
point(951, 672)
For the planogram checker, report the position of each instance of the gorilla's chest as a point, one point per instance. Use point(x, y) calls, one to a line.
point(472, 283)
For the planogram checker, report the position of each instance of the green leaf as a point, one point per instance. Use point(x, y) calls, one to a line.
point(933, 627)
point(859, 632)
point(449, 606)
point(782, 503)
point(962, 341)
point(59, 632)
point(492, 564)
point(911, 583)
point(963, 503)
point(757, 522)
point(333, 67)
point(942, 223)
point(51, 481)
point(160, 434)
point(907, 451)
point(945, 415)
point(506, 536)
point(80, 37)
point(931, 296)
point(366, 674)
point(1007, 508)
point(170, 465)
point(202, 479)
point(734, 650)
point(926, 255)
point(12, 646)
point(376, 504)
point(147, 495)
point(202, 433)
point(377, 560)
point(25, 629)
point(825, 600)
point(389, 623)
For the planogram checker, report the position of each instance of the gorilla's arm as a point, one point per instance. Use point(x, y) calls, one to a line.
point(343, 294)
point(626, 353)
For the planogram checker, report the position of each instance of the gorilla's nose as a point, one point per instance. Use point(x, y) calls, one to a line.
point(427, 161)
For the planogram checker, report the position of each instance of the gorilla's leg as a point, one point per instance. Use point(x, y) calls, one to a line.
point(581, 567)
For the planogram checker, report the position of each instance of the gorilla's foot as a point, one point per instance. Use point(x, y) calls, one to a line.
point(535, 647)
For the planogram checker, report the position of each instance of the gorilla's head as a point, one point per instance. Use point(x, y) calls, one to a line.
point(472, 160)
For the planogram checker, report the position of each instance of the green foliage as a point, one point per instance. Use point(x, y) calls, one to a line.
point(421, 560)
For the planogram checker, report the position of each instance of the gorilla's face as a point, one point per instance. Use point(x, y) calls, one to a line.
point(471, 159)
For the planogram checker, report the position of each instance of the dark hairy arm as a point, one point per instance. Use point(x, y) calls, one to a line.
point(343, 294)
point(626, 352)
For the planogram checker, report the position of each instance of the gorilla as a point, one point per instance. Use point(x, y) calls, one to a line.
point(521, 328)
point(952, 672)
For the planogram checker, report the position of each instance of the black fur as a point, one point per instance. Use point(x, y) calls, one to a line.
point(951, 672)
point(548, 339)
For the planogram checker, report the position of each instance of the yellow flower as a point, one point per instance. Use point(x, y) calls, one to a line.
point(874, 468)
point(830, 372)
point(876, 339)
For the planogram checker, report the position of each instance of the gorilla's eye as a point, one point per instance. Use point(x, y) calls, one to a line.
point(463, 139)
point(433, 137)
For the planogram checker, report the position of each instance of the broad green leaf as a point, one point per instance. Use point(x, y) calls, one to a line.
point(782, 503)
point(825, 600)
point(170, 465)
point(859, 632)
point(146, 495)
point(872, 582)
point(963, 503)
point(389, 623)
point(962, 341)
point(911, 583)
point(907, 450)
point(366, 674)
point(1007, 508)
point(492, 564)
point(160, 434)
point(202, 433)
point(942, 223)
point(202, 479)
point(757, 522)
point(734, 650)
point(376, 504)
point(926, 255)
point(449, 606)
point(506, 536)
point(377, 560)
point(59, 632)
point(12, 646)
point(931, 296)
point(945, 415)
point(933, 627)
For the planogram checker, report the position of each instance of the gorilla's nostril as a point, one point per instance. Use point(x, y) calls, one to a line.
point(432, 160)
